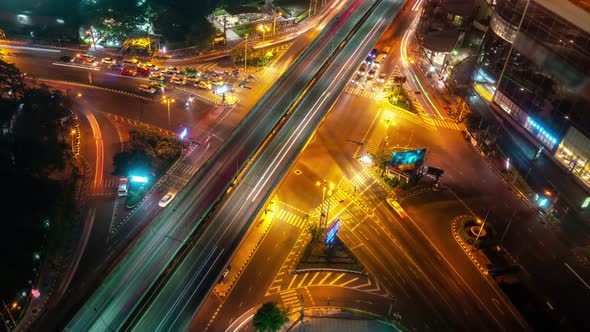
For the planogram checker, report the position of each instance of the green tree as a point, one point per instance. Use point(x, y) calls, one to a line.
point(11, 79)
point(269, 317)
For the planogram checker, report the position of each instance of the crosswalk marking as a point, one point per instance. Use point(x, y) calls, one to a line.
point(360, 179)
point(291, 218)
point(289, 298)
point(366, 92)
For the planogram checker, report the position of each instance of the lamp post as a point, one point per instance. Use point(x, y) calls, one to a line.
point(261, 28)
point(245, 51)
point(274, 22)
point(167, 100)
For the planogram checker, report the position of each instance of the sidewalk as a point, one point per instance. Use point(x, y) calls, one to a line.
point(336, 320)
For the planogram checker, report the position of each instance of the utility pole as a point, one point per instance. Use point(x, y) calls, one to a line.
point(302, 308)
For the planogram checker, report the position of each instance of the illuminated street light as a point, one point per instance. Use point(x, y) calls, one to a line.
point(274, 22)
point(167, 100)
point(263, 28)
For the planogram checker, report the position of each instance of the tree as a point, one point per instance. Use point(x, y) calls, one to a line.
point(269, 317)
point(11, 79)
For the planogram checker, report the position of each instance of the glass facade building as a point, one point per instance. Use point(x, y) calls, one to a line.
point(536, 59)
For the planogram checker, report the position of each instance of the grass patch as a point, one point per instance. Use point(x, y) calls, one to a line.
point(135, 194)
point(242, 30)
point(317, 256)
point(485, 241)
point(219, 12)
point(399, 99)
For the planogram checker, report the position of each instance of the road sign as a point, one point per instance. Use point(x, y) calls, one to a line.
point(331, 235)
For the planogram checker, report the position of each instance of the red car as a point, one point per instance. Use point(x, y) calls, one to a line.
point(144, 71)
point(128, 72)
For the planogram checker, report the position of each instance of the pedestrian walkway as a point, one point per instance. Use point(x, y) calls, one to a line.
point(292, 219)
point(363, 91)
point(441, 123)
point(335, 320)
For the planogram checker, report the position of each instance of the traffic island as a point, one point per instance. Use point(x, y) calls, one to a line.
point(399, 99)
point(336, 256)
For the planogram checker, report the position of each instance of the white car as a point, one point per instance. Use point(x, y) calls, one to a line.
point(179, 80)
point(167, 198)
point(152, 67)
point(171, 69)
point(147, 88)
point(203, 85)
point(109, 61)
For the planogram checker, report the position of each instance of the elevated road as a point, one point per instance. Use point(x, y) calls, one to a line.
point(116, 299)
point(181, 295)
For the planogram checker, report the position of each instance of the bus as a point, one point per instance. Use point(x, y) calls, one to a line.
point(397, 208)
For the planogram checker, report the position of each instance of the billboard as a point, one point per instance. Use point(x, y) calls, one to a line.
point(407, 160)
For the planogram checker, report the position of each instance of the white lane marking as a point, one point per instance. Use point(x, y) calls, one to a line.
point(577, 275)
point(76, 66)
point(30, 48)
point(302, 126)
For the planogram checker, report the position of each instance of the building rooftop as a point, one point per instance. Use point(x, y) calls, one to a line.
point(441, 41)
point(570, 10)
point(459, 7)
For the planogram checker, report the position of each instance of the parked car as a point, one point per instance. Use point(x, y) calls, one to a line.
point(179, 80)
point(116, 66)
point(109, 61)
point(159, 86)
point(152, 67)
point(131, 62)
point(156, 78)
point(203, 85)
point(143, 71)
point(216, 82)
point(128, 72)
point(147, 88)
point(192, 78)
point(66, 58)
point(172, 69)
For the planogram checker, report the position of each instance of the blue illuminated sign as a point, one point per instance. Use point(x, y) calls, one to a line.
point(183, 133)
point(331, 235)
point(407, 159)
point(542, 131)
point(139, 179)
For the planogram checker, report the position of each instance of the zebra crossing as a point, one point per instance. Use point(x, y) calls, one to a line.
point(290, 298)
point(441, 123)
point(291, 218)
point(363, 92)
point(361, 179)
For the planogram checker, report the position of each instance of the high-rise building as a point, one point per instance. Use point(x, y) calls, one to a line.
point(535, 62)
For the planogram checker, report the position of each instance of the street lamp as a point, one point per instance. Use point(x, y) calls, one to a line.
point(245, 51)
point(274, 22)
point(324, 212)
point(167, 100)
point(264, 29)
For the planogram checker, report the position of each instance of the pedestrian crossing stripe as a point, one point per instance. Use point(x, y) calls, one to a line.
point(289, 297)
point(360, 92)
point(360, 179)
point(291, 219)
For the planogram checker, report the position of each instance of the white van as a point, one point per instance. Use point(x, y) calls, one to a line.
point(123, 187)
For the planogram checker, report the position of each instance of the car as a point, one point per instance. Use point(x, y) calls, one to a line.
point(179, 80)
point(172, 69)
point(368, 60)
point(116, 66)
point(167, 73)
point(357, 79)
point(165, 200)
point(91, 62)
point(108, 61)
point(203, 85)
point(381, 78)
point(156, 78)
point(373, 53)
point(132, 62)
point(123, 187)
point(192, 77)
point(363, 69)
point(85, 57)
point(147, 88)
point(159, 86)
point(386, 50)
point(192, 71)
point(66, 58)
point(143, 71)
point(372, 73)
point(216, 82)
point(225, 272)
point(152, 67)
point(127, 72)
